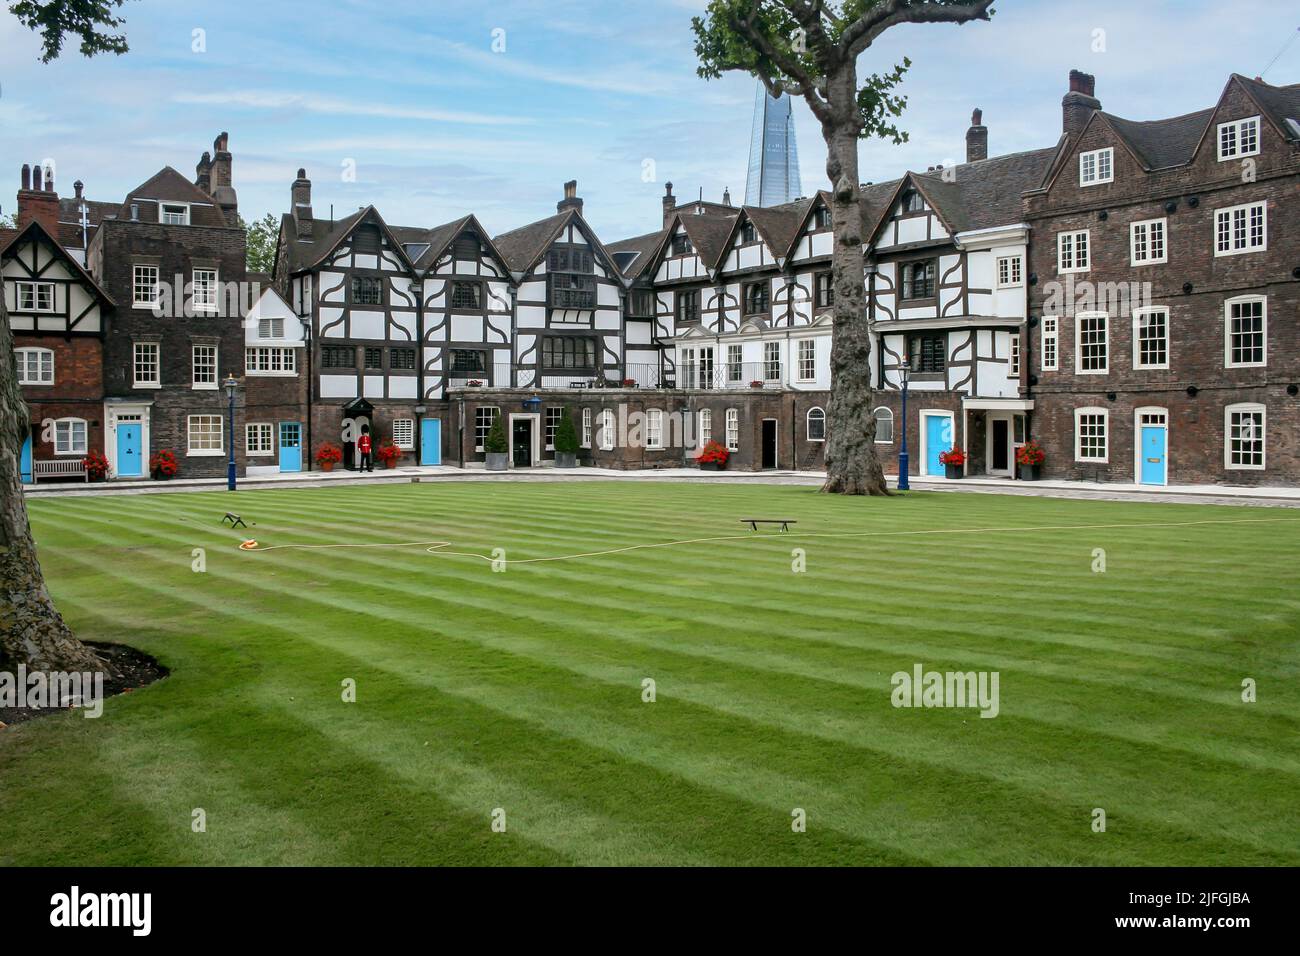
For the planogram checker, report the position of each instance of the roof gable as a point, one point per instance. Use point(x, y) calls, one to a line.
point(35, 232)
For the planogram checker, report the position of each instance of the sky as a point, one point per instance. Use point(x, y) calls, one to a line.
point(431, 110)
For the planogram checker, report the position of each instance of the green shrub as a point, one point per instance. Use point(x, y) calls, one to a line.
point(495, 443)
point(566, 436)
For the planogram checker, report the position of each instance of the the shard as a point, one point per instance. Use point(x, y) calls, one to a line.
point(773, 155)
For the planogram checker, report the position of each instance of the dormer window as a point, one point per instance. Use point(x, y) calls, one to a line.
point(748, 233)
point(1239, 138)
point(822, 218)
point(466, 246)
point(174, 214)
point(1096, 166)
point(912, 201)
point(367, 240)
point(682, 245)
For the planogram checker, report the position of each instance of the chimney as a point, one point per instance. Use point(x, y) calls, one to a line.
point(670, 203)
point(977, 138)
point(78, 187)
point(726, 197)
point(570, 200)
point(301, 205)
point(203, 173)
point(37, 199)
point(1078, 105)
point(221, 189)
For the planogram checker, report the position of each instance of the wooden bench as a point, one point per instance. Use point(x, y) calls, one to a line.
point(59, 468)
point(755, 522)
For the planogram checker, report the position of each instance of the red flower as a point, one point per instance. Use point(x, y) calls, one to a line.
point(954, 456)
point(1030, 453)
point(163, 462)
point(714, 453)
point(329, 453)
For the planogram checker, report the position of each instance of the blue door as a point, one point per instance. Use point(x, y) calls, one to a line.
point(25, 463)
point(130, 452)
point(290, 446)
point(938, 439)
point(431, 441)
point(1153, 470)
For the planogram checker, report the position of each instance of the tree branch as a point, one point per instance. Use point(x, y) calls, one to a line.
point(790, 66)
point(891, 13)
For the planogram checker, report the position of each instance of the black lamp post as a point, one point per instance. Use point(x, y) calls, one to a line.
point(903, 483)
point(231, 384)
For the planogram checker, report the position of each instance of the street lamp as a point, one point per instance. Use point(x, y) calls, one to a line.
point(903, 484)
point(231, 384)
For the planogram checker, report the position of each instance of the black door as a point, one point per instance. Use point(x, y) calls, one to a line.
point(523, 443)
point(1001, 446)
point(769, 443)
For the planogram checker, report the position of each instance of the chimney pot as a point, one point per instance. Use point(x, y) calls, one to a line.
point(27, 176)
point(977, 138)
point(1078, 105)
point(78, 186)
point(571, 199)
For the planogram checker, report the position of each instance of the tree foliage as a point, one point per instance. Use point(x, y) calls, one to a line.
point(81, 20)
point(262, 237)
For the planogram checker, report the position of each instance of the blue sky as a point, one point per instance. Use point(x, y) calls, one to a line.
point(438, 124)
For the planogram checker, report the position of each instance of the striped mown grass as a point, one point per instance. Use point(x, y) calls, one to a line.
point(522, 690)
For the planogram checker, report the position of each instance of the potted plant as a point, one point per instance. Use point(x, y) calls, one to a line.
point(496, 446)
point(328, 455)
point(474, 383)
point(756, 383)
point(629, 383)
point(714, 457)
point(1029, 459)
point(566, 441)
point(953, 461)
point(389, 454)
point(96, 466)
point(163, 465)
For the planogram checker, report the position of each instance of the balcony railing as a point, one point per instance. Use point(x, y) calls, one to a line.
point(706, 375)
point(768, 375)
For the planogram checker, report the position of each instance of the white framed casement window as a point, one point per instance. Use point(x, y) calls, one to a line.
point(706, 427)
point(772, 361)
point(204, 364)
point(270, 360)
point(1092, 343)
point(1096, 166)
point(259, 439)
point(1091, 435)
point(816, 424)
point(484, 417)
point(607, 434)
point(70, 436)
point(35, 366)
point(1243, 436)
point(404, 433)
point(733, 430)
point(1150, 337)
point(1013, 356)
point(552, 426)
point(1050, 346)
point(1010, 269)
point(174, 214)
point(205, 290)
point(1239, 138)
point(272, 328)
point(144, 286)
point(146, 365)
point(807, 360)
point(1072, 251)
point(1146, 242)
point(206, 436)
point(1239, 229)
point(654, 428)
point(1245, 331)
point(586, 428)
point(884, 425)
point(735, 363)
point(35, 296)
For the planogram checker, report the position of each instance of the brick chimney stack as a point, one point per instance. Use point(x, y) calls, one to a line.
point(203, 173)
point(1078, 105)
point(571, 199)
point(977, 138)
point(670, 203)
point(221, 188)
point(37, 199)
point(300, 205)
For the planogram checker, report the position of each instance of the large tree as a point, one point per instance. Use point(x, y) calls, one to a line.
point(810, 48)
point(263, 234)
point(32, 630)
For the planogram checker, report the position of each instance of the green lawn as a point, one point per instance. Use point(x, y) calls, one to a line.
point(523, 690)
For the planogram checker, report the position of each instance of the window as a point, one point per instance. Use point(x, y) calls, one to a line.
point(1239, 229)
point(682, 245)
point(569, 259)
point(735, 367)
point(912, 201)
point(607, 429)
point(586, 428)
point(822, 218)
point(304, 307)
point(146, 364)
point(466, 246)
point(688, 306)
point(1090, 435)
point(205, 435)
point(270, 328)
point(1092, 352)
point(373, 358)
point(748, 233)
point(35, 366)
point(259, 439)
point(484, 416)
point(367, 240)
point(733, 430)
point(1009, 271)
point(70, 436)
point(144, 286)
point(825, 290)
point(569, 291)
point(404, 433)
point(403, 360)
point(338, 356)
point(203, 360)
point(928, 353)
point(468, 360)
point(35, 296)
point(268, 360)
point(807, 360)
point(757, 298)
point(174, 215)
point(1243, 433)
point(697, 364)
point(568, 352)
point(1239, 138)
point(1147, 242)
point(706, 427)
point(641, 302)
point(552, 425)
point(1096, 166)
point(1246, 331)
point(772, 361)
point(816, 424)
point(884, 425)
point(1072, 252)
point(1050, 326)
point(205, 290)
point(918, 279)
point(1013, 356)
point(654, 428)
point(367, 290)
point(1150, 338)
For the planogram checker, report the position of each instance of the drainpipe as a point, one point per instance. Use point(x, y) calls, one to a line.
point(309, 346)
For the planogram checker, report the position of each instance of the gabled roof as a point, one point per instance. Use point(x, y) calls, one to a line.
point(70, 219)
point(1159, 144)
point(642, 248)
point(709, 236)
point(35, 230)
point(524, 247)
point(328, 236)
point(439, 240)
point(777, 226)
point(1279, 104)
point(170, 186)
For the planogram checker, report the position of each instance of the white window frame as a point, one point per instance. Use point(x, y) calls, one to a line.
point(1236, 152)
point(261, 360)
point(1078, 343)
point(271, 328)
point(136, 380)
point(738, 365)
point(808, 423)
point(1145, 227)
point(1096, 156)
point(32, 292)
point(408, 425)
point(257, 448)
point(889, 414)
point(654, 429)
point(607, 435)
point(807, 364)
point(1053, 336)
point(1092, 410)
point(209, 301)
point(481, 430)
point(1013, 356)
point(194, 367)
point(193, 451)
point(551, 425)
point(1227, 330)
point(140, 280)
point(1013, 266)
point(705, 427)
point(1230, 212)
point(184, 208)
point(1243, 408)
point(1075, 258)
point(733, 430)
point(586, 428)
point(63, 444)
point(771, 361)
point(39, 359)
point(1138, 315)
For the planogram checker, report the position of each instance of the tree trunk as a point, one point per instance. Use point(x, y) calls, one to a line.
point(32, 631)
point(852, 467)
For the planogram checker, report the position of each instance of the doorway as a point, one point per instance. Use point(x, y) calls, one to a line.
point(998, 451)
point(937, 436)
point(290, 446)
point(1152, 446)
point(769, 443)
point(431, 441)
point(521, 442)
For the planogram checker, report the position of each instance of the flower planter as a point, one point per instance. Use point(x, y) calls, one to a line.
point(1028, 472)
point(952, 471)
point(566, 459)
point(326, 466)
point(391, 463)
point(161, 476)
point(497, 461)
point(713, 466)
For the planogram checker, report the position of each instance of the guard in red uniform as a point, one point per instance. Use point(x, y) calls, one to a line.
point(363, 446)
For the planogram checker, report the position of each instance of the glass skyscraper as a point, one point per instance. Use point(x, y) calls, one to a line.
point(773, 155)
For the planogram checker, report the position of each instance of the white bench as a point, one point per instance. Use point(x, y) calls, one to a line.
point(59, 468)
